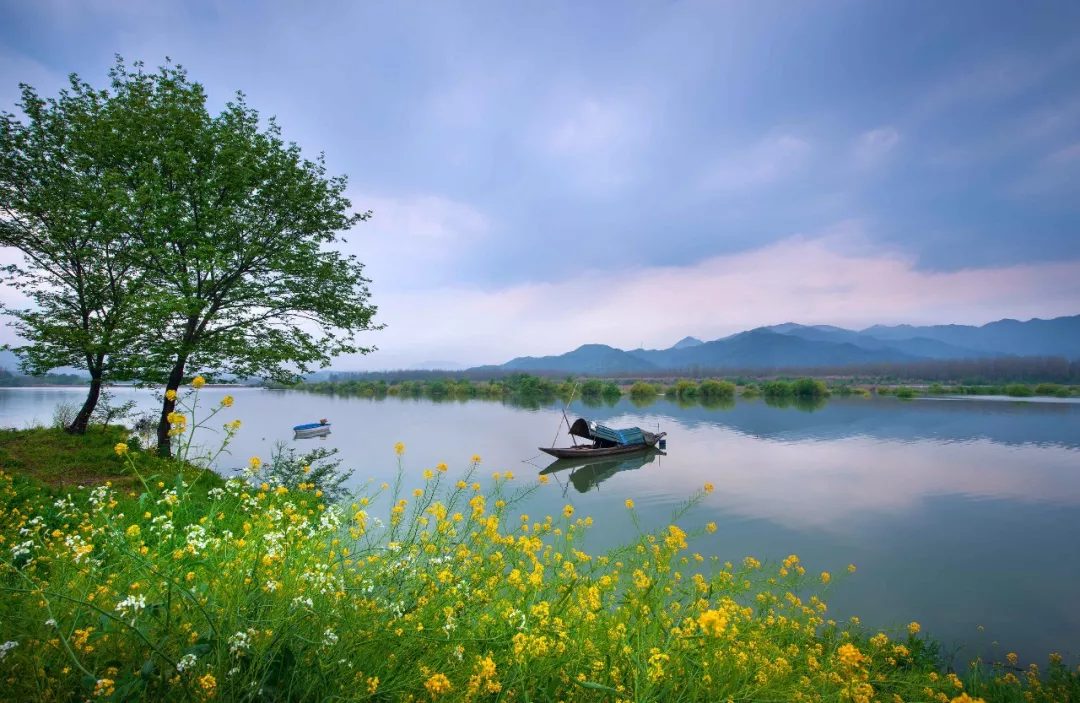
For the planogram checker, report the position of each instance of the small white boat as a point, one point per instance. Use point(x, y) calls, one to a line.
point(314, 429)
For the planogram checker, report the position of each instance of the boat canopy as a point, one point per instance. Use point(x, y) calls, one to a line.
point(607, 436)
point(311, 426)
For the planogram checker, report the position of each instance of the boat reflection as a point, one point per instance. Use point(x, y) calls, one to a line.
point(587, 473)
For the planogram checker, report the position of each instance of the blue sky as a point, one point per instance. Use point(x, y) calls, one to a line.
point(549, 174)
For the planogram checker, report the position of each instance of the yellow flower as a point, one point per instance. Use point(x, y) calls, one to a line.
point(710, 528)
point(372, 684)
point(428, 474)
point(255, 462)
point(708, 488)
point(227, 401)
point(712, 622)
point(629, 504)
point(965, 698)
point(849, 655)
point(476, 459)
point(438, 684)
point(399, 448)
point(208, 684)
point(441, 467)
point(170, 394)
point(851, 568)
point(825, 577)
point(509, 475)
point(198, 382)
point(307, 469)
point(1011, 657)
point(120, 448)
point(133, 531)
point(543, 479)
point(914, 628)
point(568, 510)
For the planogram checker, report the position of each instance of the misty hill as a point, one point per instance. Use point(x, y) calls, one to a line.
point(795, 345)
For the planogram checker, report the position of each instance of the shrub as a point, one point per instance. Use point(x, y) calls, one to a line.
point(592, 388)
point(751, 390)
point(809, 388)
point(1063, 392)
point(611, 390)
point(686, 389)
point(776, 389)
point(1047, 389)
point(936, 389)
point(904, 393)
point(642, 390)
point(714, 389)
point(1019, 390)
point(63, 414)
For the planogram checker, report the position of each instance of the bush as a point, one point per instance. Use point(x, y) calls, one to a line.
point(642, 390)
point(686, 389)
point(63, 415)
point(1063, 393)
point(776, 389)
point(904, 393)
point(592, 388)
point(1047, 389)
point(936, 389)
point(1019, 390)
point(861, 392)
point(751, 390)
point(611, 390)
point(713, 389)
point(316, 470)
point(809, 388)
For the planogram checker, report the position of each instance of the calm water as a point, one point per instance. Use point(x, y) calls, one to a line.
point(957, 514)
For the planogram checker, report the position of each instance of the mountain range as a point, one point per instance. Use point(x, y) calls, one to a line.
point(795, 345)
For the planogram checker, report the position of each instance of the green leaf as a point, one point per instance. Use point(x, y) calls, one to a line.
point(147, 669)
point(599, 687)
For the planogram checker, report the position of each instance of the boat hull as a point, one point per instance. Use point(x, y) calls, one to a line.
point(584, 452)
point(315, 432)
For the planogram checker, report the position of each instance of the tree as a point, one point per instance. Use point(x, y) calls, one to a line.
point(247, 281)
point(67, 185)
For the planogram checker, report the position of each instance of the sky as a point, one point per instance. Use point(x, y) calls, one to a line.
point(548, 174)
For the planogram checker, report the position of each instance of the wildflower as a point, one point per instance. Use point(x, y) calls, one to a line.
point(509, 477)
point(132, 531)
point(476, 458)
point(851, 568)
point(825, 577)
point(708, 488)
point(428, 475)
point(965, 698)
point(135, 604)
point(543, 479)
point(438, 684)
point(676, 538)
point(399, 448)
point(850, 655)
point(568, 510)
point(170, 395)
point(8, 646)
point(629, 504)
point(441, 467)
point(208, 684)
point(712, 622)
point(254, 464)
point(914, 628)
point(186, 662)
point(198, 382)
point(227, 401)
point(751, 563)
point(121, 448)
point(1011, 657)
point(372, 684)
point(104, 688)
point(329, 638)
point(710, 528)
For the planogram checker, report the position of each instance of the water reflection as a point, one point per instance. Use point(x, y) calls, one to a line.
point(586, 474)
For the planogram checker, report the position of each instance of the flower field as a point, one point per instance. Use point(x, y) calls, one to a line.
point(168, 582)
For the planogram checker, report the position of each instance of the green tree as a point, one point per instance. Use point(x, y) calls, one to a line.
point(716, 390)
point(241, 245)
point(70, 178)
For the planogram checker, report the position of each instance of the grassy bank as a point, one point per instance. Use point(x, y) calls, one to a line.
point(172, 584)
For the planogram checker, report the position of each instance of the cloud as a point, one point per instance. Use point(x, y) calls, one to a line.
point(595, 143)
point(874, 146)
point(414, 241)
point(828, 278)
point(769, 161)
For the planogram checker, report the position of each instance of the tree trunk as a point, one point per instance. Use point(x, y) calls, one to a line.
point(82, 420)
point(164, 441)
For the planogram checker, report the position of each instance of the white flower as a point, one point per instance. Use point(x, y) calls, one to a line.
point(186, 662)
point(50, 623)
point(135, 604)
point(7, 646)
point(329, 638)
point(239, 642)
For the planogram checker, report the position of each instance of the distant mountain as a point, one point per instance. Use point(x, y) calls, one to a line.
point(687, 342)
point(795, 345)
point(590, 358)
point(437, 366)
point(1057, 337)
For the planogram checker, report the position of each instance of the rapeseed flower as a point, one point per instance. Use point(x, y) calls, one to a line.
point(198, 382)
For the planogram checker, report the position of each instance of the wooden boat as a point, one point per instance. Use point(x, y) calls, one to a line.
point(314, 429)
point(605, 441)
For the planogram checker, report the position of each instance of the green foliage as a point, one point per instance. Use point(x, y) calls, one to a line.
point(318, 469)
point(713, 389)
point(936, 389)
point(809, 388)
point(591, 388)
point(1047, 389)
point(905, 393)
point(611, 390)
point(1062, 392)
point(686, 389)
point(1019, 390)
point(641, 390)
point(751, 390)
point(776, 389)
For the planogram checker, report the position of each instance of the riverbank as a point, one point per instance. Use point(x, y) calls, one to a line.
point(186, 587)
